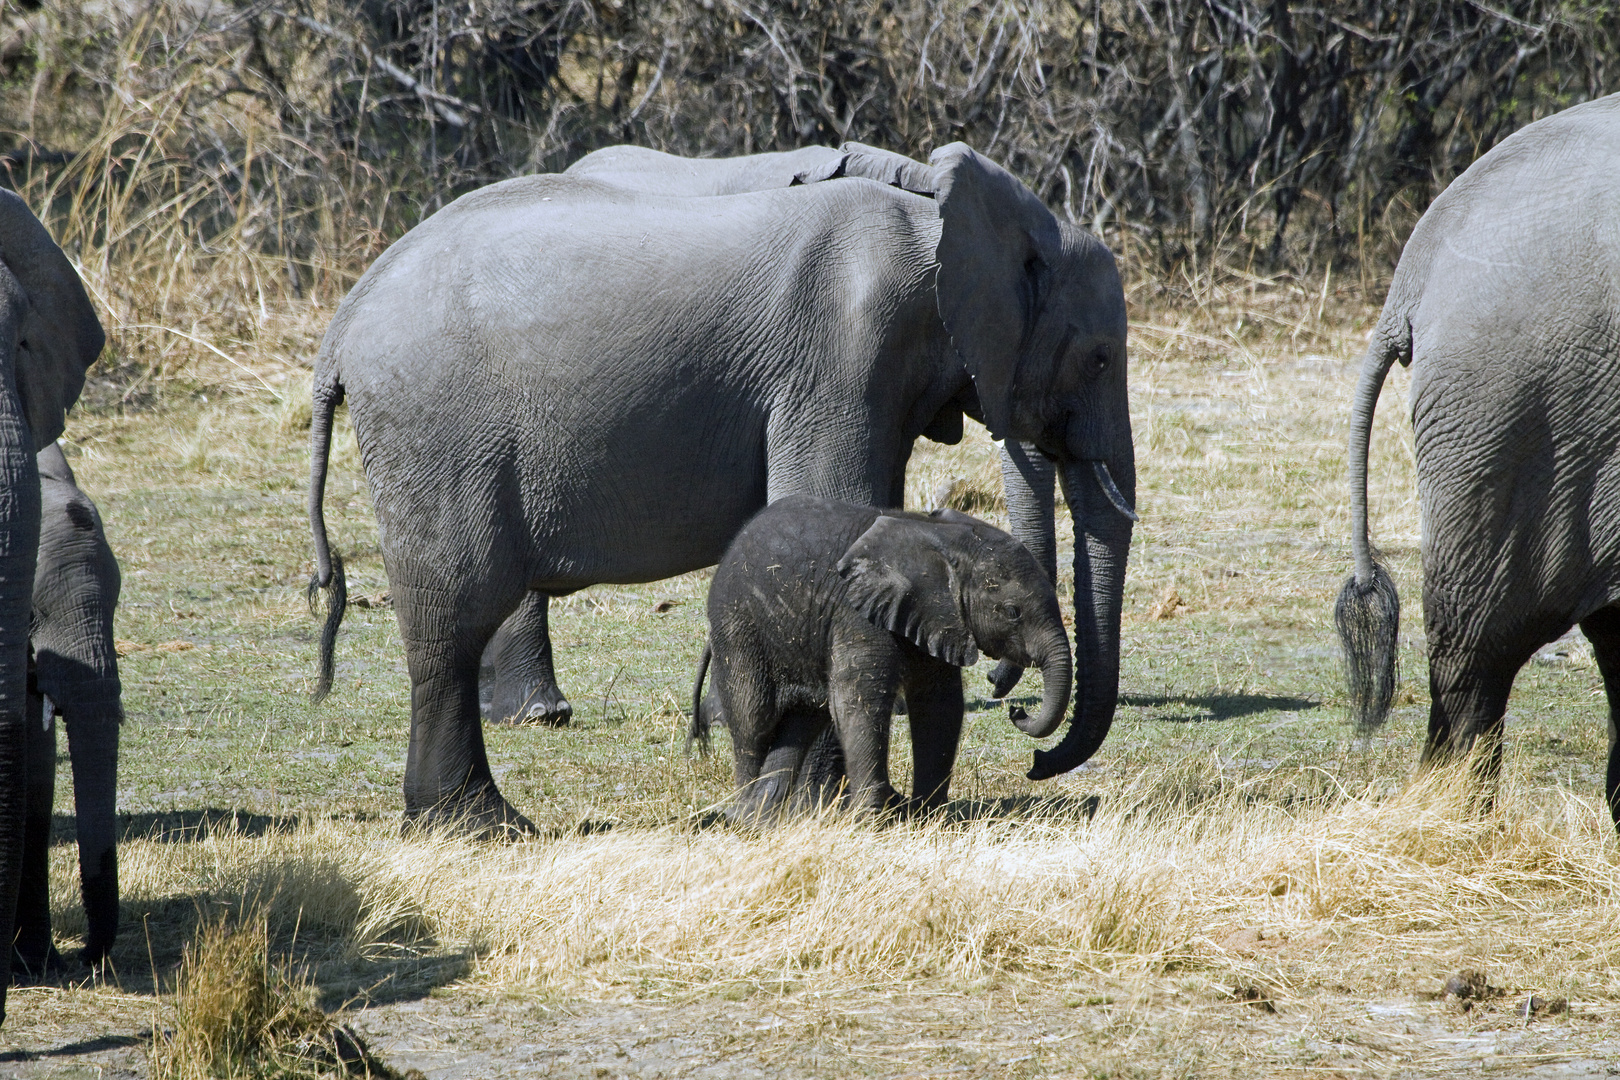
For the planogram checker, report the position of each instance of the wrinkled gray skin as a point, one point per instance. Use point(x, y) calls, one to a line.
point(49, 335)
point(76, 585)
point(1504, 306)
point(557, 382)
point(521, 680)
point(821, 611)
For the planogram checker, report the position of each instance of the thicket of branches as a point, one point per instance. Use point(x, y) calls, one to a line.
point(315, 130)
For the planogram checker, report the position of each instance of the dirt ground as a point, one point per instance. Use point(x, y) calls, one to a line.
point(1015, 1032)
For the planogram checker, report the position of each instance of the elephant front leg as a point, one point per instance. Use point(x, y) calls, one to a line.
point(34, 953)
point(1029, 482)
point(935, 691)
point(525, 685)
point(862, 702)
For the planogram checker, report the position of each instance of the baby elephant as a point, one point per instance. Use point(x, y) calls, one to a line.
point(821, 611)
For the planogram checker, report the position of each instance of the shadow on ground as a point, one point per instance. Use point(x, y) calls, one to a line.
point(1202, 708)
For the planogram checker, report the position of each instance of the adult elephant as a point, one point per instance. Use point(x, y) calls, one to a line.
point(76, 585)
point(1504, 306)
point(49, 336)
point(523, 685)
point(557, 382)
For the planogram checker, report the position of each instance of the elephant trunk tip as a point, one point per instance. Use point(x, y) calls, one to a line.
point(335, 592)
point(1368, 617)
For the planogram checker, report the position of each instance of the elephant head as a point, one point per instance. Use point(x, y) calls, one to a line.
point(955, 586)
point(1036, 312)
point(49, 336)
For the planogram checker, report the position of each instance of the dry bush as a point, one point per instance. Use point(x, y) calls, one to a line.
point(223, 172)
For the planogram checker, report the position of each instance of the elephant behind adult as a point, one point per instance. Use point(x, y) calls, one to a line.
point(1505, 307)
point(523, 686)
point(558, 382)
point(49, 336)
point(76, 585)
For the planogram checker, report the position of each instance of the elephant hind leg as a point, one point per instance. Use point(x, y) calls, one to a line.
point(1468, 695)
point(523, 686)
point(1602, 629)
point(765, 780)
point(448, 783)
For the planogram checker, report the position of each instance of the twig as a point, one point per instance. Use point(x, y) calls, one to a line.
point(448, 106)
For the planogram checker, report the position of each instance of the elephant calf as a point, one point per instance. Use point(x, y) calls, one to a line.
point(76, 583)
point(821, 611)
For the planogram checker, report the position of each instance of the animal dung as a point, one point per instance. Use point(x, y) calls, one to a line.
point(666, 605)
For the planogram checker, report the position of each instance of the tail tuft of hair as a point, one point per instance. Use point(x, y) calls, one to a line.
point(1368, 616)
point(335, 595)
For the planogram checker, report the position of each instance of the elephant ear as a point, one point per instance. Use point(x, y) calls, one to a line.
point(998, 247)
point(900, 576)
point(60, 336)
point(871, 163)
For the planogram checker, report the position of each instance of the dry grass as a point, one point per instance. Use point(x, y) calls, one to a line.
point(1301, 897)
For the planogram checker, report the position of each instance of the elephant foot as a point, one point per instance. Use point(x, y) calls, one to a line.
point(30, 965)
point(536, 704)
point(485, 815)
point(1003, 678)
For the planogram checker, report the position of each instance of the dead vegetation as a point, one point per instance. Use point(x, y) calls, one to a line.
point(1296, 895)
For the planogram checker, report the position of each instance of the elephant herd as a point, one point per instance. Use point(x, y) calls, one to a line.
point(650, 364)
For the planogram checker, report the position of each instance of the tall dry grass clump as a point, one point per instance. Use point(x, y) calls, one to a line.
point(236, 1014)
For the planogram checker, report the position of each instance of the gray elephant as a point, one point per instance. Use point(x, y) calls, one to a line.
point(1504, 306)
point(76, 584)
point(557, 382)
point(49, 336)
point(521, 679)
point(821, 611)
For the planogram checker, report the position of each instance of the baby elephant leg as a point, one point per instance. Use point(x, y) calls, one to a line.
point(764, 783)
point(935, 690)
point(862, 701)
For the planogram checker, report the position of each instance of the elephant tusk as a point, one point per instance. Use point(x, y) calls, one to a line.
point(1106, 481)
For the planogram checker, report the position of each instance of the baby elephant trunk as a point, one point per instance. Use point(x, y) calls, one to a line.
point(1057, 683)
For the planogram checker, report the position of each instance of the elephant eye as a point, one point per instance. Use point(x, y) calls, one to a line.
point(1099, 359)
point(1010, 611)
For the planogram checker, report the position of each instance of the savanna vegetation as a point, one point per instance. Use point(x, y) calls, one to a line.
point(1235, 885)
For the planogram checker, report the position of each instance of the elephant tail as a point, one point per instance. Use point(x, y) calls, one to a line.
point(698, 731)
point(328, 579)
point(1368, 612)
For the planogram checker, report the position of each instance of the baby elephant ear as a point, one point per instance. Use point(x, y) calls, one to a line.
point(901, 578)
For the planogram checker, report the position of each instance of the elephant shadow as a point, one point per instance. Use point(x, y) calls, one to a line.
point(182, 826)
point(155, 933)
point(1204, 708)
point(1015, 808)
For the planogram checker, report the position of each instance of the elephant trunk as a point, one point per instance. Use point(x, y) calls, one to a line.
point(19, 547)
point(1057, 681)
point(93, 746)
point(1102, 544)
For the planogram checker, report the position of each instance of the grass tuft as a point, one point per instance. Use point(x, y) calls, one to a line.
point(238, 1015)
